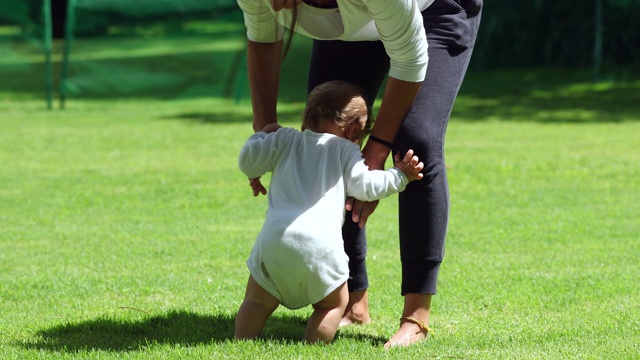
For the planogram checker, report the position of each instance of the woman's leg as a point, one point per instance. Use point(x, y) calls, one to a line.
point(424, 205)
point(324, 320)
point(366, 64)
point(257, 306)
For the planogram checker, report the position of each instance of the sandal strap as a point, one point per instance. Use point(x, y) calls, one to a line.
point(423, 327)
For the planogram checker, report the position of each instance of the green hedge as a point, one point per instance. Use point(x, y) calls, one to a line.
point(556, 33)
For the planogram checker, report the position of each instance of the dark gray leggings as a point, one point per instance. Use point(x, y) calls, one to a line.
point(451, 27)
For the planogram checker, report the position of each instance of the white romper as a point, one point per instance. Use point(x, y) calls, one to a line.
point(299, 254)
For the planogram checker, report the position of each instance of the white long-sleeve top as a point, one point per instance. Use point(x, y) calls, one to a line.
point(299, 254)
point(398, 23)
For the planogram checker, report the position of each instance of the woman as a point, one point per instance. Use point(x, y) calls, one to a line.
point(364, 41)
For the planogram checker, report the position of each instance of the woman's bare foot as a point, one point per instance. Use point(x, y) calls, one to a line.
point(414, 323)
point(357, 311)
point(411, 331)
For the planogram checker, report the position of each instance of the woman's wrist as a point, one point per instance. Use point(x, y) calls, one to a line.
point(381, 141)
point(375, 155)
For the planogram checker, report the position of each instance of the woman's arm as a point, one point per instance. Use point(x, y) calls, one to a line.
point(399, 24)
point(396, 102)
point(263, 67)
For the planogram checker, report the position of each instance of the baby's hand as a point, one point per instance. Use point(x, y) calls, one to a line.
point(272, 127)
point(410, 165)
point(257, 187)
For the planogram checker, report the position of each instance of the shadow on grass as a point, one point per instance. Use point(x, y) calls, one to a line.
point(536, 95)
point(113, 334)
point(222, 117)
point(174, 328)
point(229, 116)
point(546, 96)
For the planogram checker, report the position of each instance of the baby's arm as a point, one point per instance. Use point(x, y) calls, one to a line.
point(410, 165)
point(252, 159)
point(255, 158)
point(369, 185)
point(255, 183)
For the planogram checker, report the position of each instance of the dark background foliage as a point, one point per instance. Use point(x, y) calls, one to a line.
point(533, 33)
point(557, 33)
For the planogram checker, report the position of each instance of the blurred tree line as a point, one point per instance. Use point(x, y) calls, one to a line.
point(577, 33)
point(558, 33)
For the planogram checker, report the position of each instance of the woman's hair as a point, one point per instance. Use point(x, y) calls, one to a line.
point(331, 101)
point(292, 30)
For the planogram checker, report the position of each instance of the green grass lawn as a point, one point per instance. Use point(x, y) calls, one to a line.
point(125, 225)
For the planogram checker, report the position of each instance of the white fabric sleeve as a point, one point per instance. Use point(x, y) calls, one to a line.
point(260, 21)
point(369, 185)
point(401, 29)
point(256, 156)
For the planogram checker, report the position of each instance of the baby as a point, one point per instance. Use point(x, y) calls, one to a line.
point(298, 258)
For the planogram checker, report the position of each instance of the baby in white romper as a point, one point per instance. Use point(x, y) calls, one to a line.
point(298, 258)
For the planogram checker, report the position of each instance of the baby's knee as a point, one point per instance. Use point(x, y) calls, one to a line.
point(338, 299)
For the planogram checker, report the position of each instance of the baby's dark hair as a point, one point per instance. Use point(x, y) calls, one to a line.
point(330, 101)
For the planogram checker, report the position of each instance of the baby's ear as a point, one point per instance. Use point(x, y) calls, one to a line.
point(352, 132)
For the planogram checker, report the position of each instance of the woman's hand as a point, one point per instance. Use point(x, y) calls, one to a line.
point(269, 128)
point(375, 155)
point(284, 4)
